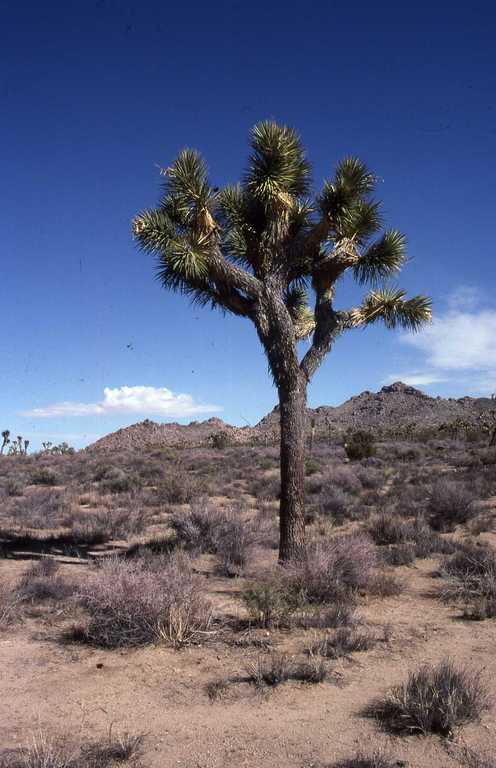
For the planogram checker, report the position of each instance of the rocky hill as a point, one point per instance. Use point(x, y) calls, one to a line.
point(396, 405)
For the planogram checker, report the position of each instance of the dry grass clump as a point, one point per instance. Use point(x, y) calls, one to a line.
point(276, 668)
point(136, 602)
point(343, 642)
point(49, 752)
point(375, 760)
point(329, 617)
point(436, 699)
point(471, 581)
point(114, 749)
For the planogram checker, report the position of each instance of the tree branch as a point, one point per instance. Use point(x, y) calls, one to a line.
point(226, 273)
point(327, 324)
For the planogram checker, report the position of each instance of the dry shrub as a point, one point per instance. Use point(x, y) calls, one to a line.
point(109, 522)
point(450, 504)
point(390, 529)
point(265, 528)
point(385, 584)
point(370, 478)
point(436, 699)
point(222, 532)
point(334, 502)
point(41, 508)
point(401, 554)
point(137, 602)
point(9, 604)
point(428, 542)
point(44, 476)
point(13, 487)
point(42, 581)
point(471, 575)
point(333, 570)
point(180, 487)
point(345, 478)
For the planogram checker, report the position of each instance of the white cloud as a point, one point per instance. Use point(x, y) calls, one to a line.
point(465, 298)
point(459, 346)
point(459, 341)
point(415, 379)
point(141, 400)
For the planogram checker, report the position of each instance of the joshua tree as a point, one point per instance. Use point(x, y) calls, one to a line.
point(5, 439)
point(254, 250)
point(26, 446)
point(488, 422)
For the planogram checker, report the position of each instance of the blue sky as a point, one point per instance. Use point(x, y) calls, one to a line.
point(95, 95)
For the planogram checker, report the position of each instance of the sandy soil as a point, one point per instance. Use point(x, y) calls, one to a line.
point(72, 690)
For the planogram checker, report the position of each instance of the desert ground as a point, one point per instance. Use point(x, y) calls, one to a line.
point(144, 618)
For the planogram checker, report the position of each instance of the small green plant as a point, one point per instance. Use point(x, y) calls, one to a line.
point(311, 467)
point(359, 445)
point(268, 603)
point(43, 476)
point(220, 440)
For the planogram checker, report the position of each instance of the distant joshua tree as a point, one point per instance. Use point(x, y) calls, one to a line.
point(488, 422)
point(5, 439)
point(254, 250)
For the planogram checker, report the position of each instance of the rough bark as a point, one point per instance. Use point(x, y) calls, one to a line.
point(292, 403)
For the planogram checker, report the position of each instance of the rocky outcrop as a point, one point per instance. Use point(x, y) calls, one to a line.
point(395, 405)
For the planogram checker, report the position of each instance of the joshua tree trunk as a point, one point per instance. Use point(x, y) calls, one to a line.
point(292, 403)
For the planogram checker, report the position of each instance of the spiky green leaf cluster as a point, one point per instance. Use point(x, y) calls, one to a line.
point(390, 306)
point(382, 260)
point(278, 170)
point(211, 243)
